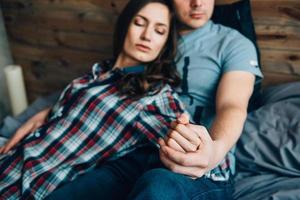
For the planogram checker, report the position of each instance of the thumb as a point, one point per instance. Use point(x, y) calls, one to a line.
point(183, 119)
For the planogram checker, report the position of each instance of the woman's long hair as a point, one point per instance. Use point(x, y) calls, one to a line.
point(160, 71)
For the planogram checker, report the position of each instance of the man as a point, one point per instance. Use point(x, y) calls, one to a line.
point(219, 68)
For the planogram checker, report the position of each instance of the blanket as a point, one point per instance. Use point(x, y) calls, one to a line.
point(268, 150)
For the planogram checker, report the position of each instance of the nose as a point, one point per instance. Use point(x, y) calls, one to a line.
point(146, 35)
point(196, 3)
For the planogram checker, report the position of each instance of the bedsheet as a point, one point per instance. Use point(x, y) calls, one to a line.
point(268, 152)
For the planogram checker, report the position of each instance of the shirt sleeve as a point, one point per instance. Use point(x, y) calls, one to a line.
point(241, 55)
point(155, 118)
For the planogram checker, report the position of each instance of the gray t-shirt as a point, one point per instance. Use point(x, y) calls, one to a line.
point(204, 56)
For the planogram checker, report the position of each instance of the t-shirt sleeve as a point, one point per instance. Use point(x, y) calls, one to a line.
point(240, 55)
point(155, 118)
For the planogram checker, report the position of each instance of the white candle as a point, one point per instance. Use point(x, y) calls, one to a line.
point(5, 59)
point(16, 88)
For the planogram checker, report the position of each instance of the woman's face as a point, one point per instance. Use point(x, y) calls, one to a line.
point(147, 34)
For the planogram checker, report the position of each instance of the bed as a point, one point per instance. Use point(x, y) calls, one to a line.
point(268, 152)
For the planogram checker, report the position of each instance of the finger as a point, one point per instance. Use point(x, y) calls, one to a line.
point(8, 147)
point(2, 150)
point(183, 119)
point(174, 124)
point(25, 129)
point(173, 144)
point(182, 142)
point(201, 132)
point(10, 144)
point(19, 135)
point(188, 133)
point(193, 172)
point(36, 126)
point(189, 159)
point(162, 142)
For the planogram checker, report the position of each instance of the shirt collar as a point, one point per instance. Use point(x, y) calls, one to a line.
point(199, 32)
point(106, 66)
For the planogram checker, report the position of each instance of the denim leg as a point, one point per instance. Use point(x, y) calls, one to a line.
point(101, 183)
point(162, 184)
point(113, 180)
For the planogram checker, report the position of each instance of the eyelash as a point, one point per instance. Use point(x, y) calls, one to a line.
point(160, 32)
point(137, 23)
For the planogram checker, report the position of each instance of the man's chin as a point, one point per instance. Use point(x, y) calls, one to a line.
point(186, 28)
point(198, 23)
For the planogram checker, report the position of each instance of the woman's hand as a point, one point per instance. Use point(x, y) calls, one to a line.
point(31, 125)
point(188, 149)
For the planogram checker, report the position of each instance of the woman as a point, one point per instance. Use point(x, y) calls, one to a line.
point(124, 103)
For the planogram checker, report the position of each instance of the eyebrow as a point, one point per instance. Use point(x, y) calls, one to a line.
point(160, 24)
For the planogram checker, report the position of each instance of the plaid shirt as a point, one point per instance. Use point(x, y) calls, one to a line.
point(90, 124)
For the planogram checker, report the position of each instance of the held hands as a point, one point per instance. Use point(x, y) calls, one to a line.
point(32, 124)
point(187, 149)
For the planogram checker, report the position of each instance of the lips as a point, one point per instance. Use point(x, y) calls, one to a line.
point(142, 47)
point(197, 15)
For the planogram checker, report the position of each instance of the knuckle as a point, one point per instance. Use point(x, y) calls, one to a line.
point(205, 163)
point(173, 168)
point(201, 128)
point(172, 134)
point(179, 126)
point(197, 143)
point(191, 147)
point(199, 173)
point(169, 142)
point(185, 161)
point(194, 148)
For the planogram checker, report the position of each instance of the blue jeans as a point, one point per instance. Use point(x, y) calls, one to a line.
point(140, 176)
point(163, 184)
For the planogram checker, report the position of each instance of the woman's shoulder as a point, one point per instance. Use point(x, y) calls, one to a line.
point(101, 67)
point(165, 94)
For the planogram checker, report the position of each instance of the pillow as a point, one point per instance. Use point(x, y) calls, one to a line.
point(280, 92)
point(237, 16)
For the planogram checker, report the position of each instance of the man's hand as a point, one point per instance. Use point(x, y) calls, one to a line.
point(187, 149)
point(31, 125)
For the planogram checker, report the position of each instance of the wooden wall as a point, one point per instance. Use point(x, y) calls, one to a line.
point(277, 24)
point(57, 40)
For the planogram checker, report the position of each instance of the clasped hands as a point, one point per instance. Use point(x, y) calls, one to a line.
point(187, 149)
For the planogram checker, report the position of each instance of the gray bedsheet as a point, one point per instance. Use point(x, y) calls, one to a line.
point(268, 151)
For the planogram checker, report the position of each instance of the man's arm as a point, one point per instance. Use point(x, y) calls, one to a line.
point(186, 155)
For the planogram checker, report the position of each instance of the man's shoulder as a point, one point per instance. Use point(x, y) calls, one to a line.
point(231, 37)
point(226, 32)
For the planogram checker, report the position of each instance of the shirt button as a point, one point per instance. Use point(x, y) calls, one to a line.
point(37, 134)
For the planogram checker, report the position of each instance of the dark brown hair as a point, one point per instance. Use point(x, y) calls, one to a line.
point(160, 71)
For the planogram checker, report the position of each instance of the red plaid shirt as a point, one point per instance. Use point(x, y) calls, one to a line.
point(90, 124)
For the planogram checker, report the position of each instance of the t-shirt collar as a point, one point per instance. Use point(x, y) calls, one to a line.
point(198, 32)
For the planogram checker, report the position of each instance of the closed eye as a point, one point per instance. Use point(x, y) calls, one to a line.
point(139, 21)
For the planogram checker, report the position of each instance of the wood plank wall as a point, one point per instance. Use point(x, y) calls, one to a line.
point(277, 24)
point(57, 40)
